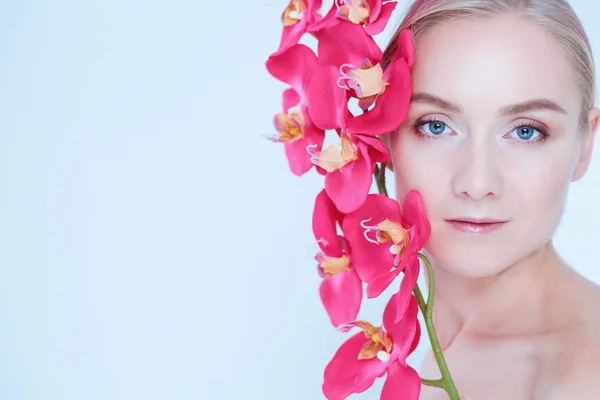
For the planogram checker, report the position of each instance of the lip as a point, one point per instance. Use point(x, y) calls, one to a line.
point(476, 226)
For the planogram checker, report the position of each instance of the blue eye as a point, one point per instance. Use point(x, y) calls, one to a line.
point(526, 132)
point(437, 128)
point(431, 129)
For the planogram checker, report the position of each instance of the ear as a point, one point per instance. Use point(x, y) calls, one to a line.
point(587, 145)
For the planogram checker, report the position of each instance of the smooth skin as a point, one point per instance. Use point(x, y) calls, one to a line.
point(514, 320)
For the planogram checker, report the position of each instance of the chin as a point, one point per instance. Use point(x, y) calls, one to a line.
point(474, 256)
point(468, 262)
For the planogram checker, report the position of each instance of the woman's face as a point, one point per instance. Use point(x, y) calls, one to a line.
point(492, 132)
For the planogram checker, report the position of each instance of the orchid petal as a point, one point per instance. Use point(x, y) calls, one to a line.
point(413, 215)
point(313, 6)
point(291, 98)
point(295, 67)
point(402, 382)
point(374, 9)
point(298, 159)
point(327, 21)
point(391, 107)
point(381, 283)
point(341, 296)
point(295, 151)
point(379, 23)
point(377, 150)
point(389, 315)
point(346, 374)
point(347, 43)
point(349, 186)
point(409, 281)
point(369, 259)
point(328, 102)
point(324, 223)
point(416, 339)
point(402, 331)
point(290, 36)
point(406, 48)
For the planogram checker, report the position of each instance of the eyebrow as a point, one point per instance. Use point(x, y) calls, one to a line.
point(532, 105)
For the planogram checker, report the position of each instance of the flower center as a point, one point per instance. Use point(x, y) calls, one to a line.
point(379, 344)
point(332, 266)
point(367, 81)
point(332, 158)
point(355, 11)
point(290, 125)
point(293, 13)
point(387, 231)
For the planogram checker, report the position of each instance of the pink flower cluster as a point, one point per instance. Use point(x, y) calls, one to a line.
point(364, 239)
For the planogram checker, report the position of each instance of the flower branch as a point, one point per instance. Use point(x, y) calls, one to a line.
point(446, 382)
point(359, 234)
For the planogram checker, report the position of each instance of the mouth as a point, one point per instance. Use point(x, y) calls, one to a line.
point(476, 226)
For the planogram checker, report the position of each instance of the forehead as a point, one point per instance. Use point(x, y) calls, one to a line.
point(488, 62)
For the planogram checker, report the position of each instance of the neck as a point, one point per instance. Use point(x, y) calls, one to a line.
point(519, 301)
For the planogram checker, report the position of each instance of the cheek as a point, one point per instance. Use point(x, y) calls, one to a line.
point(537, 193)
point(539, 176)
point(419, 167)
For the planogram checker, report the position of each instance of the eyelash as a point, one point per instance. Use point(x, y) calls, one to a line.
point(422, 121)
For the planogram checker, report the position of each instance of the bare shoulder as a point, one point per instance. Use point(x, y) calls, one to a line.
point(580, 380)
point(573, 370)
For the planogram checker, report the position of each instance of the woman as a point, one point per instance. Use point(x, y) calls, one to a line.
point(500, 122)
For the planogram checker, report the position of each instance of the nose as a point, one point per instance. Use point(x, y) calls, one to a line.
point(478, 174)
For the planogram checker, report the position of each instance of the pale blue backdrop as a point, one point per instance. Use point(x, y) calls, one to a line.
point(153, 245)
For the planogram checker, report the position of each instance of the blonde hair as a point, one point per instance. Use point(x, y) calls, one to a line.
point(555, 16)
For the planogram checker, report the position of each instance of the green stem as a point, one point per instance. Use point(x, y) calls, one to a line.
point(438, 383)
point(420, 300)
point(379, 174)
point(446, 381)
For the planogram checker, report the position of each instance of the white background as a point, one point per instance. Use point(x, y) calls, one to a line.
point(153, 244)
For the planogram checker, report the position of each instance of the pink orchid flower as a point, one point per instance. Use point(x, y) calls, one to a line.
point(351, 67)
point(341, 288)
point(297, 17)
point(294, 126)
point(384, 241)
point(372, 14)
point(374, 352)
point(349, 169)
